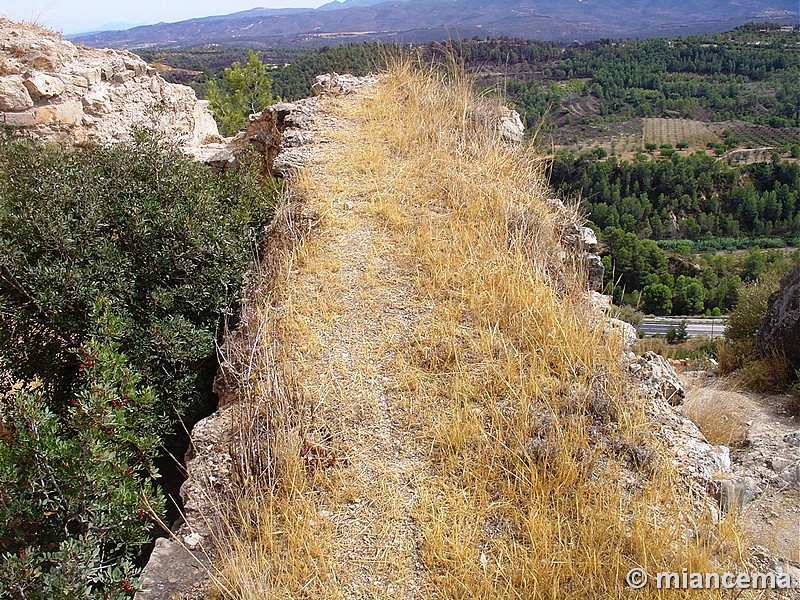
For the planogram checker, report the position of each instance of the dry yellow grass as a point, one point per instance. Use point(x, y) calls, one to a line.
point(719, 412)
point(439, 418)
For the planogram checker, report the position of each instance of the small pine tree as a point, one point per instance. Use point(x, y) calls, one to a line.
point(677, 335)
point(243, 90)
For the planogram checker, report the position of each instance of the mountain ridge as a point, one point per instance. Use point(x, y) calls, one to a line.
point(407, 21)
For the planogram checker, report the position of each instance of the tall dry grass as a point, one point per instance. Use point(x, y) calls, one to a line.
point(719, 412)
point(540, 476)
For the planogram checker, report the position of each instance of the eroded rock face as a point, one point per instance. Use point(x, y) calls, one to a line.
point(55, 90)
point(14, 95)
point(780, 330)
point(657, 378)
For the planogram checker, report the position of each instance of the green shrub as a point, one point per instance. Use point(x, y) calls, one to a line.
point(76, 493)
point(677, 335)
point(746, 318)
point(766, 374)
point(657, 299)
point(165, 240)
point(117, 266)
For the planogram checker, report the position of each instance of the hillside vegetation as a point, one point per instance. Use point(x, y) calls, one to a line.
point(438, 413)
point(118, 267)
point(669, 225)
point(690, 141)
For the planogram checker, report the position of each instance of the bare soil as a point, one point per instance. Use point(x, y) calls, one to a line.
point(772, 519)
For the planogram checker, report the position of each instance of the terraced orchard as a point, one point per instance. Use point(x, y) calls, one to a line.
point(696, 134)
point(426, 404)
point(762, 136)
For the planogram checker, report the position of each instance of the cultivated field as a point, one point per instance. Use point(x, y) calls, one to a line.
point(763, 136)
point(696, 134)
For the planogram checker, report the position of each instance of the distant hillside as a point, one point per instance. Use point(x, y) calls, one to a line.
point(430, 20)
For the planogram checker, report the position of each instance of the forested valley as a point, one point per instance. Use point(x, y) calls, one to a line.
point(683, 153)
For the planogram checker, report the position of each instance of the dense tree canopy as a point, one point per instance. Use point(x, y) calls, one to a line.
point(689, 197)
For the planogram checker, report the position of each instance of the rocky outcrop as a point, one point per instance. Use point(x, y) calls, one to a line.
point(283, 132)
point(704, 466)
point(657, 378)
point(780, 330)
point(582, 241)
point(333, 84)
point(696, 459)
point(171, 569)
point(14, 95)
point(55, 90)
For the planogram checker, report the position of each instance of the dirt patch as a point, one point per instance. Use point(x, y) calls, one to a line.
point(764, 435)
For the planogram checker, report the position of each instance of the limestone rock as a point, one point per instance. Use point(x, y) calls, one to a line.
point(82, 95)
point(333, 84)
point(587, 236)
point(18, 119)
point(68, 113)
point(204, 128)
point(13, 94)
point(264, 131)
point(208, 466)
point(328, 84)
point(283, 132)
point(780, 329)
point(221, 160)
point(172, 570)
point(511, 127)
point(700, 462)
point(792, 439)
point(657, 377)
point(599, 302)
point(40, 85)
point(625, 331)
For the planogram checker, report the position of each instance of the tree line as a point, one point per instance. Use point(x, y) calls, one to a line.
point(692, 197)
point(662, 222)
point(751, 73)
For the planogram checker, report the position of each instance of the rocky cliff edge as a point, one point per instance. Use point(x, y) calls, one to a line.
point(56, 90)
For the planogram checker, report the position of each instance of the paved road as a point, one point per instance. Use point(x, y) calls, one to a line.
point(714, 327)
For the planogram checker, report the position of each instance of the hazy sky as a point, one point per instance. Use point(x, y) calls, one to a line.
point(71, 16)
